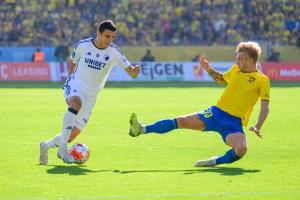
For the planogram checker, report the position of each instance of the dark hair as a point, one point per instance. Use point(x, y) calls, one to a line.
point(107, 24)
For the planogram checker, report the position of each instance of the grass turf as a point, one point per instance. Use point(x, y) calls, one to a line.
point(147, 167)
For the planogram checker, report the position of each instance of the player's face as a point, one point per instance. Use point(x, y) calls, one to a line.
point(106, 37)
point(243, 60)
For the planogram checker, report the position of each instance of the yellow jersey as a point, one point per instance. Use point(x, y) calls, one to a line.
point(242, 92)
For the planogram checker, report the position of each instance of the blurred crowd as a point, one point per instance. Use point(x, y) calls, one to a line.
point(150, 22)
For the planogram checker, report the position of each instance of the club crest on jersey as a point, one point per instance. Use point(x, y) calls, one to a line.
point(251, 79)
point(106, 57)
point(97, 55)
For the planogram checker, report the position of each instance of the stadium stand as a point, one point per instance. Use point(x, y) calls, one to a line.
point(151, 23)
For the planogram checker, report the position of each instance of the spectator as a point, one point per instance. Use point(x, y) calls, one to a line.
point(148, 57)
point(274, 56)
point(180, 22)
point(196, 58)
point(61, 53)
point(38, 55)
point(298, 41)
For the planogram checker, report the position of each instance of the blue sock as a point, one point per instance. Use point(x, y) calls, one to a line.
point(228, 157)
point(162, 126)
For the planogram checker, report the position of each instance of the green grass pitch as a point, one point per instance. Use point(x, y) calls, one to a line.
point(150, 166)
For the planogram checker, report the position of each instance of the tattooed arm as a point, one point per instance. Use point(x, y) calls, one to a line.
point(217, 76)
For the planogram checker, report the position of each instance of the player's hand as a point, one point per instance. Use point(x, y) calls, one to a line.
point(256, 131)
point(204, 62)
point(135, 71)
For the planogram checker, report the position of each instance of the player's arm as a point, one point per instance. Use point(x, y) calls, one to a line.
point(71, 67)
point(123, 62)
point(133, 71)
point(264, 110)
point(214, 74)
point(74, 58)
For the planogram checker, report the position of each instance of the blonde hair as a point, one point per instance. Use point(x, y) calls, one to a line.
point(251, 48)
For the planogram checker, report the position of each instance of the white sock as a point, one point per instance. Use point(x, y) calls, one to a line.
point(143, 129)
point(63, 148)
point(67, 126)
point(54, 142)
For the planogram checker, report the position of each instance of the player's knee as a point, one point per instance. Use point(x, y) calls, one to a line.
point(75, 103)
point(241, 150)
point(182, 122)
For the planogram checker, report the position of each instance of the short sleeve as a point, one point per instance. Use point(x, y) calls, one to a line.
point(227, 74)
point(264, 90)
point(120, 58)
point(75, 56)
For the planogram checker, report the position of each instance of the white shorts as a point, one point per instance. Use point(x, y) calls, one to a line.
point(88, 101)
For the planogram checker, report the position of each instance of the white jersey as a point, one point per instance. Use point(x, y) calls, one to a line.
point(94, 65)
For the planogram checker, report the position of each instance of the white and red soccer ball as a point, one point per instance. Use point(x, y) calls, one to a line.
point(80, 152)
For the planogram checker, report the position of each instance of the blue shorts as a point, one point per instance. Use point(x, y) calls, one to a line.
point(220, 121)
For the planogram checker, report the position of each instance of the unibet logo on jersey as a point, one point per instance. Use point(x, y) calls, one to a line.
point(95, 64)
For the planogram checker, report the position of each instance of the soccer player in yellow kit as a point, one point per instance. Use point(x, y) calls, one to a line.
point(245, 84)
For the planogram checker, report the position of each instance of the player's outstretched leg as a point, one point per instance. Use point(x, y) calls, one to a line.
point(43, 153)
point(162, 126)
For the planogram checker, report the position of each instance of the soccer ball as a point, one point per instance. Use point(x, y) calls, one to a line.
point(80, 153)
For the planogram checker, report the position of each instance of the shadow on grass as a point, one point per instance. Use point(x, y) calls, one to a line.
point(71, 170)
point(81, 170)
point(225, 171)
point(229, 171)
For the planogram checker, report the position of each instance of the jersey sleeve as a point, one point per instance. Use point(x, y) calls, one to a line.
point(264, 90)
point(227, 74)
point(120, 59)
point(75, 56)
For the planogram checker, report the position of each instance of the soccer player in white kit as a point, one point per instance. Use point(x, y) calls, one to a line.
point(91, 63)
